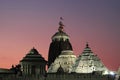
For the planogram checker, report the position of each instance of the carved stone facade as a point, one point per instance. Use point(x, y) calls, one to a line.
point(88, 62)
point(65, 60)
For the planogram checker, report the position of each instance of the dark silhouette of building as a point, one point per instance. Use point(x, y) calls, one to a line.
point(33, 63)
point(60, 42)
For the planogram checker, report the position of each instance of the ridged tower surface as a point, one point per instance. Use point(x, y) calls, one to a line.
point(88, 62)
point(33, 56)
point(65, 61)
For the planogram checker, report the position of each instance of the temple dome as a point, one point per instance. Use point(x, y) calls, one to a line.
point(60, 36)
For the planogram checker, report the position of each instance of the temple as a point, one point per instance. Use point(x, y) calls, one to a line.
point(62, 63)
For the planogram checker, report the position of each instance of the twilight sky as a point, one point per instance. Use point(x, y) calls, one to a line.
point(28, 23)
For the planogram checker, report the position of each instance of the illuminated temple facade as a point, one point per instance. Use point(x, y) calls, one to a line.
point(62, 63)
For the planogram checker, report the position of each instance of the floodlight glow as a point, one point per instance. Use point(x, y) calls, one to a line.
point(112, 73)
point(106, 72)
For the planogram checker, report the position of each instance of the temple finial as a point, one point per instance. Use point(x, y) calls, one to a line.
point(87, 45)
point(61, 18)
point(60, 23)
point(60, 29)
point(33, 47)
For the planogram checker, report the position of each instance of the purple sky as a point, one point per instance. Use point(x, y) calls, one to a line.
point(28, 23)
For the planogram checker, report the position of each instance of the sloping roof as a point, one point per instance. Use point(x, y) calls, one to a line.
point(33, 56)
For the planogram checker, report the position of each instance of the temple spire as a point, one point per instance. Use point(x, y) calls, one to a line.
point(61, 25)
point(33, 47)
point(87, 45)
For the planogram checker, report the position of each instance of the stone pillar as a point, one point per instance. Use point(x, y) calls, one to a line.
point(30, 69)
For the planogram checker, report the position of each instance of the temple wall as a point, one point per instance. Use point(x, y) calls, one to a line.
point(66, 76)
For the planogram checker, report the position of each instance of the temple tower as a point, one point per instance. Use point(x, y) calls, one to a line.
point(60, 42)
point(88, 62)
